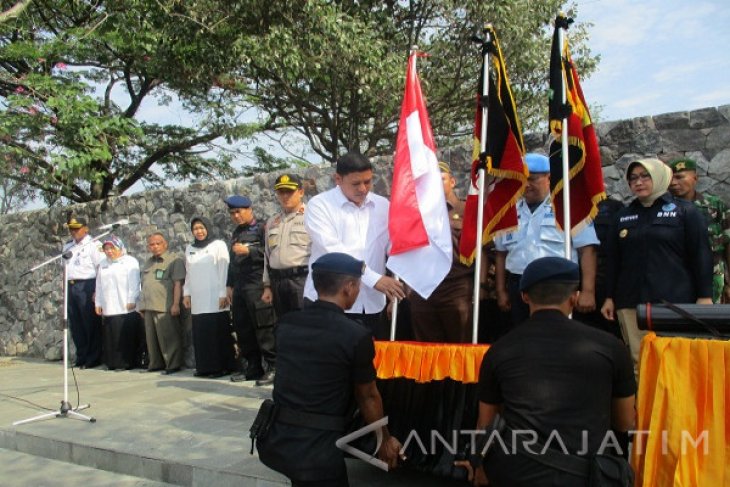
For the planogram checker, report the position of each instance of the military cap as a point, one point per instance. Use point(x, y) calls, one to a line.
point(683, 164)
point(76, 223)
point(237, 201)
point(444, 167)
point(288, 181)
point(549, 269)
point(339, 263)
point(537, 163)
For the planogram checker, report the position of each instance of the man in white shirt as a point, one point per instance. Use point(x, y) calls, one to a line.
point(83, 259)
point(350, 219)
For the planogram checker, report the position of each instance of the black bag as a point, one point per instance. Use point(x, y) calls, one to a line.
point(264, 419)
point(610, 471)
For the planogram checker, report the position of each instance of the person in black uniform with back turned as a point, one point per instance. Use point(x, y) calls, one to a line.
point(253, 320)
point(551, 377)
point(325, 359)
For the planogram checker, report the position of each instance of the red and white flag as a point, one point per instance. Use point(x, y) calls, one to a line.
point(420, 235)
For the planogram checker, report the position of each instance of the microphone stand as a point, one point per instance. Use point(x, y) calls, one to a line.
point(65, 411)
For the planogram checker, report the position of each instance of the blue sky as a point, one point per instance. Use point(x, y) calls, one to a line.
point(657, 56)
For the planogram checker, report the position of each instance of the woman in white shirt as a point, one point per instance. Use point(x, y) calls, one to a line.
point(117, 291)
point(204, 293)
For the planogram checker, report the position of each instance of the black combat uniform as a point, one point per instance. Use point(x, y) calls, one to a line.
point(322, 355)
point(253, 320)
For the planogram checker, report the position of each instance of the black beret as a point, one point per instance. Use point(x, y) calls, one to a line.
point(237, 201)
point(549, 269)
point(339, 263)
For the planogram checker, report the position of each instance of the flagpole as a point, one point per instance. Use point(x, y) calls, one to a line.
point(564, 145)
point(394, 311)
point(481, 177)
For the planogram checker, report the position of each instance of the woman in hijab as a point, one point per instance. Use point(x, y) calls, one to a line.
point(204, 293)
point(117, 290)
point(657, 249)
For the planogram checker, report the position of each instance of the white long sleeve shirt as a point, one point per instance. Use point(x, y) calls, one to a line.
point(206, 272)
point(336, 224)
point(117, 284)
point(85, 258)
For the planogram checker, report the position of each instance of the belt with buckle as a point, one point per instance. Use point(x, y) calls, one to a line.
point(78, 281)
point(301, 270)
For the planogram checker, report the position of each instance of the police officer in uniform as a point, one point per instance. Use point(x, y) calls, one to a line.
point(81, 266)
point(287, 248)
point(253, 320)
point(326, 361)
point(537, 235)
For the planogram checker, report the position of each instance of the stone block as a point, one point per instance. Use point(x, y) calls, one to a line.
point(719, 168)
point(717, 140)
point(675, 120)
point(681, 140)
point(706, 118)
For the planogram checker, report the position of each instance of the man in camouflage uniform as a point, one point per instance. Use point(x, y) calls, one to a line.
point(684, 183)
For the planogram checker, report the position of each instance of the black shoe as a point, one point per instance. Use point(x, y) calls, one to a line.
point(254, 373)
point(201, 374)
point(238, 377)
point(156, 369)
point(267, 379)
point(215, 375)
point(171, 371)
point(92, 365)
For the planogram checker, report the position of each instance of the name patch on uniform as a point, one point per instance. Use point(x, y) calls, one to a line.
point(629, 218)
point(159, 273)
point(666, 214)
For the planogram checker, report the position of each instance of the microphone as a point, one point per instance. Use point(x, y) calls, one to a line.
point(114, 225)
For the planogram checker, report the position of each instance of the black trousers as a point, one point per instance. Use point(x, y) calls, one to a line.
point(83, 322)
point(253, 322)
point(520, 310)
point(288, 293)
point(373, 322)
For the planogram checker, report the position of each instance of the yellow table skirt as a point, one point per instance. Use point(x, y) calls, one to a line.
point(683, 413)
point(425, 362)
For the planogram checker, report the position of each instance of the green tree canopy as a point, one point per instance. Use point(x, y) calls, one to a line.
point(76, 75)
point(74, 79)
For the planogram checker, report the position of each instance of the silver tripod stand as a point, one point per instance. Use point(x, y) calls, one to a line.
point(65, 411)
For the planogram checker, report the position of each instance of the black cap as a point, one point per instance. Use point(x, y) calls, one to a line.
point(339, 263)
point(237, 201)
point(549, 269)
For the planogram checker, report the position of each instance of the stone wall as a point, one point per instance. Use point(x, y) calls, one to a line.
point(31, 304)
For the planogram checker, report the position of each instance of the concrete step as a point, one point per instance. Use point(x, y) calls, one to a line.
point(25, 470)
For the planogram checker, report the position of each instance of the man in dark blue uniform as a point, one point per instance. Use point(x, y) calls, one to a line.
point(253, 320)
point(325, 360)
point(556, 381)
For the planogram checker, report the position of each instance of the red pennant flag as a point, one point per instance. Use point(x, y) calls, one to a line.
point(420, 234)
point(505, 162)
point(585, 172)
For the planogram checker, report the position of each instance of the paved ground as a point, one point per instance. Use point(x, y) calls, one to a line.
point(150, 430)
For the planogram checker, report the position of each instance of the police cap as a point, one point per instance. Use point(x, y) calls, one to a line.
point(339, 263)
point(76, 223)
point(288, 181)
point(549, 269)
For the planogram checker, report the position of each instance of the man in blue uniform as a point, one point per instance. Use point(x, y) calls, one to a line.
point(84, 324)
point(537, 235)
point(253, 320)
point(325, 361)
point(560, 385)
